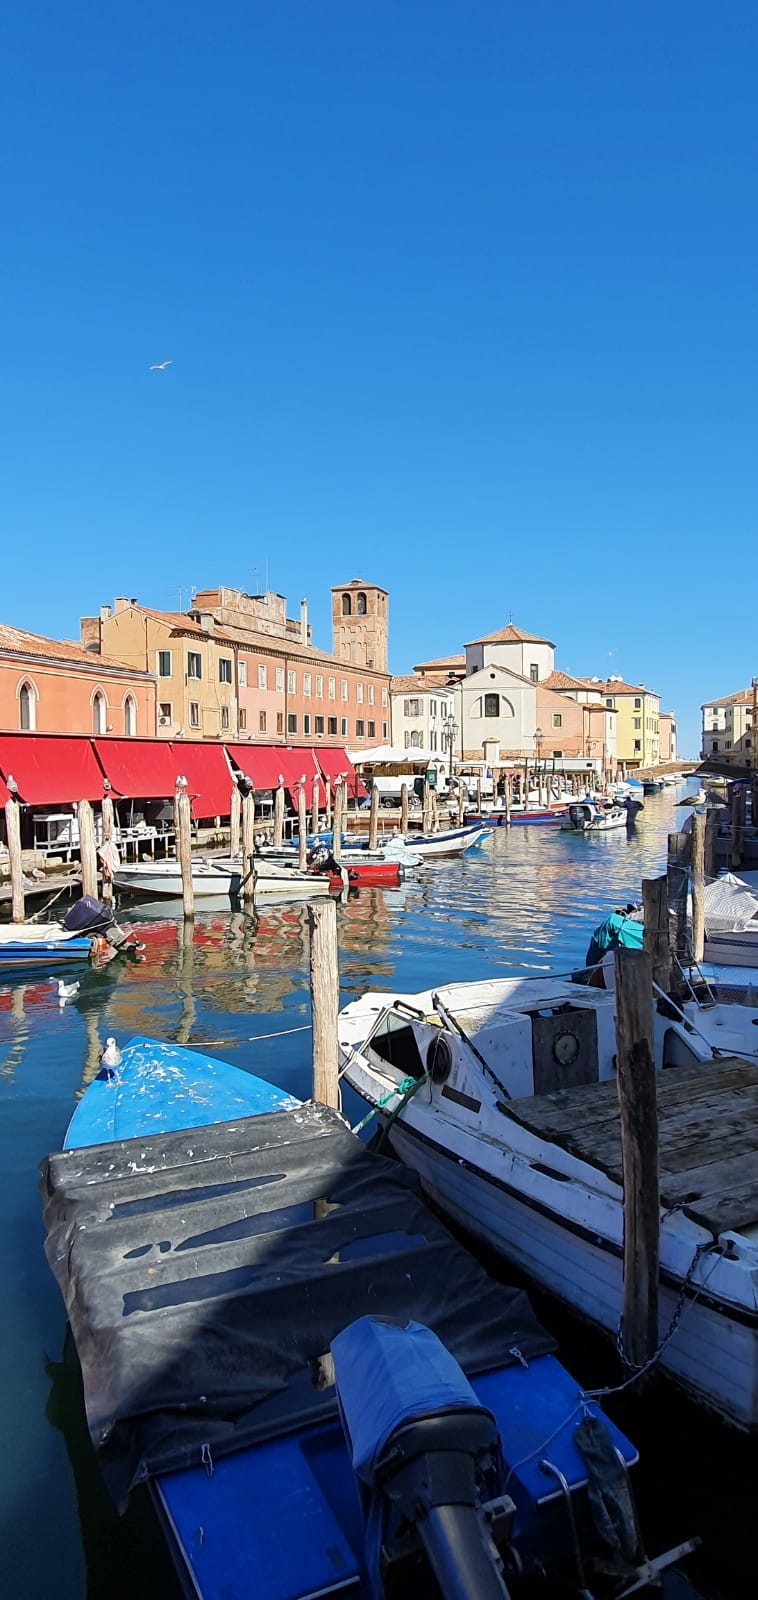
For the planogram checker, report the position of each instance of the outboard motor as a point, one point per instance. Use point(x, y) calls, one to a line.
point(427, 1460)
point(93, 917)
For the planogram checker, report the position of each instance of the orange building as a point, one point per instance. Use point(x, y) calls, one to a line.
point(51, 687)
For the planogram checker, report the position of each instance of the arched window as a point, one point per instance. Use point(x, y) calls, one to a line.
point(130, 716)
point(98, 713)
point(415, 740)
point(360, 605)
point(347, 605)
point(27, 707)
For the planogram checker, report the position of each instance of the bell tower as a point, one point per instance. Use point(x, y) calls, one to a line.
point(360, 617)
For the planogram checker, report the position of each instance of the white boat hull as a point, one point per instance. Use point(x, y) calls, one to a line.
point(714, 1356)
point(153, 880)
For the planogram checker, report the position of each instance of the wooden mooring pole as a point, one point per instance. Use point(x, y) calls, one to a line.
point(183, 833)
point(107, 818)
point(656, 935)
point(248, 847)
point(235, 819)
point(339, 798)
point(87, 848)
point(373, 819)
point(698, 885)
point(13, 835)
point(677, 873)
point(639, 1154)
point(302, 828)
point(314, 806)
point(325, 983)
point(711, 831)
point(403, 808)
point(279, 816)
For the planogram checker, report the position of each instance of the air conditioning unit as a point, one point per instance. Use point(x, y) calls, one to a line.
point(163, 722)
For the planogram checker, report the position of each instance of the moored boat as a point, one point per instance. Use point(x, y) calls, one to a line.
point(589, 816)
point(516, 1136)
point(339, 1452)
point(447, 841)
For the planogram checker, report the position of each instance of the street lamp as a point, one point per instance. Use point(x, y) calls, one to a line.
point(451, 729)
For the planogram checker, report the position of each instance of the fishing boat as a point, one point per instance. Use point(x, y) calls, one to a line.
point(516, 1135)
point(589, 816)
point(323, 1390)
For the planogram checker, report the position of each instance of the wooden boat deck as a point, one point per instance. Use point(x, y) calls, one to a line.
point(707, 1131)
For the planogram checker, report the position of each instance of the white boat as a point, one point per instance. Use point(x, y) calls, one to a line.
point(586, 816)
point(516, 1135)
point(163, 879)
point(447, 842)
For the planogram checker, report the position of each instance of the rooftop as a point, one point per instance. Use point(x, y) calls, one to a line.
point(19, 641)
point(562, 680)
point(434, 681)
point(511, 635)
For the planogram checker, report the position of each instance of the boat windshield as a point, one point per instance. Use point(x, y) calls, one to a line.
point(395, 1042)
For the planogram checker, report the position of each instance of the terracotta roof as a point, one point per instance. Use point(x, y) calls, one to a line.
point(561, 680)
point(179, 622)
point(441, 661)
point(511, 635)
point(616, 686)
point(411, 685)
point(743, 697)
point(18, 641)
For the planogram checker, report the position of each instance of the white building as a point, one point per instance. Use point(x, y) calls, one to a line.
point(421, 713)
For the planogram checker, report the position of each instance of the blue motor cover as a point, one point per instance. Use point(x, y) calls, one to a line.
point(387, 1376)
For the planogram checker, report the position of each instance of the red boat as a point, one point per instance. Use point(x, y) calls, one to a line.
point(367, 874)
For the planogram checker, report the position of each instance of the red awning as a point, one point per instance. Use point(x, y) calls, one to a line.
point(138, 769)
point(336, 763)
point(264, 765)
point(209, 781)
point(50, 770)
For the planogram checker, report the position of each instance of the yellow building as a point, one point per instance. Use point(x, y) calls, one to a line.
point(195, 668)
point(638, 741)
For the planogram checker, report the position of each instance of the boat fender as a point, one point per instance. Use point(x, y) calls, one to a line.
point(609, 1494)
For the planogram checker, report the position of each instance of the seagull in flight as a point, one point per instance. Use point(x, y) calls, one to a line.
point(160, 366)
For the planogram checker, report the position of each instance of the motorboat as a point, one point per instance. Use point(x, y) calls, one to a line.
point(593, 816)
point(447, 841)
point(211, 878)
point(87, 931)
point(516, 1135)
point(414, 1432)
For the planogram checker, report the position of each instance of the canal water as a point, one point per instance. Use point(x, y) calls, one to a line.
point(526, 902)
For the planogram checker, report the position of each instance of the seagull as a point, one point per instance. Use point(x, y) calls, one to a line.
point(66, 991)
point(160, 366)
point(110, 1055)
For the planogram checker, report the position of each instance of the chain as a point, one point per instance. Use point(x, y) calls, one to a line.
point(682, 1305)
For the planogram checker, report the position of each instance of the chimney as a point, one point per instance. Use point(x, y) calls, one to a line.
point(120, 604)
point(303, 621)
point(89, 633)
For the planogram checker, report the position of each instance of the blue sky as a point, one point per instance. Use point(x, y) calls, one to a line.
point(460, 298)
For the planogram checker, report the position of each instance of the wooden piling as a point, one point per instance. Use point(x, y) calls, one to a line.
point(698, 885)
point(327, 803)
point(403, 808)
point(677, 873)
point(656, 934)
point(324, 975)
point(461, 800)
point(711, 831)
point(13, 835)
point(373, 819)
point(639, 1154)
point(425, 808)
point(302, 828)
point(279, 817)
point(183, 832)
point(314, 806)
point(479, 795)
point(507, 798)
point(235, 819)
point(87, 848)
point(738, 824)
point(107, 816)
point(339, 799)
point(248, 847)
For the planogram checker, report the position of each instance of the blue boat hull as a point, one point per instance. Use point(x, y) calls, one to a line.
point(23, 957)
